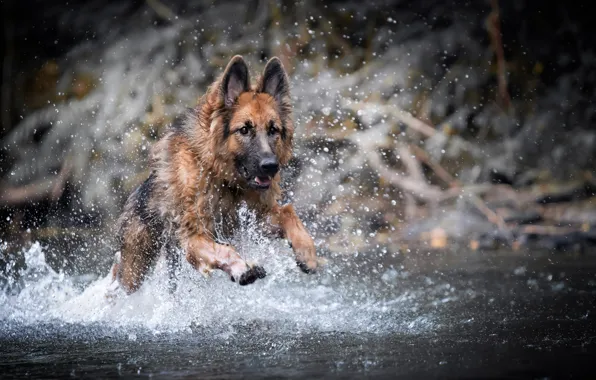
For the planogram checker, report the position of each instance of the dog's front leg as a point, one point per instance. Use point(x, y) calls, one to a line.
point(304, 247)
point(205, 255)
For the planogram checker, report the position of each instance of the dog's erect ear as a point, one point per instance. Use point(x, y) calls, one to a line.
point(235, 81)
point(275, 80)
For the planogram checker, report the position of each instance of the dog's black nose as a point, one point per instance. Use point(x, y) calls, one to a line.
point(269, 166)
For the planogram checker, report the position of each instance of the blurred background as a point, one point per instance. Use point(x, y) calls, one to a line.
point(419, 123)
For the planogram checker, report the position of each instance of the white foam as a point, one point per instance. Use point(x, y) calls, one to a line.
point(285, 299)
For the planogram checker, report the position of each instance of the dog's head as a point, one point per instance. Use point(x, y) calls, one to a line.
point(253, 125)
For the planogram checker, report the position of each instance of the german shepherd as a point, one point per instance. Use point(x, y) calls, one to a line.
point(227, 152)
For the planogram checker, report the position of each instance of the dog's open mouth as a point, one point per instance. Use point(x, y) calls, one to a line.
point(260, 182)
point(263, 182)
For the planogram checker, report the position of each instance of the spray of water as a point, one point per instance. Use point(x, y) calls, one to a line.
point(286, 300)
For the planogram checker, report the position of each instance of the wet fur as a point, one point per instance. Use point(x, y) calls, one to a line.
point(195, 187)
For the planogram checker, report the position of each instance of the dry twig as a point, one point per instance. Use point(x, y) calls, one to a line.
point(492, 216)
point(418, 189)
point(161, 10)
point(494, 30)
point(51, 188)
point(440, 171)
point(547, 230)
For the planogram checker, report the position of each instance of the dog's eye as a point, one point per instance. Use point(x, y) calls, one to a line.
point(272, 130)
point(243, 130)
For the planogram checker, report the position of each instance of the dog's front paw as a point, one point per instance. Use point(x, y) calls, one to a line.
point(307, 266)
point(306, 257)
point(251, 275)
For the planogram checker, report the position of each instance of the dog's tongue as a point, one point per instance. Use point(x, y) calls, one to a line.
point(263, 181)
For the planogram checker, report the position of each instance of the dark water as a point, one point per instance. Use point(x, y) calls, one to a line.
point(413, 315)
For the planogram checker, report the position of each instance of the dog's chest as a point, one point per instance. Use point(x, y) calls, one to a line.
point(234, 215)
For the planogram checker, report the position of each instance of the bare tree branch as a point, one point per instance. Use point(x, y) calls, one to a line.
point(418, 189)
point(494, 30)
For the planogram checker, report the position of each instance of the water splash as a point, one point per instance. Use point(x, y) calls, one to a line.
point(287, 300)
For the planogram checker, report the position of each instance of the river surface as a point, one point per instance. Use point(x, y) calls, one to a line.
point(413, 314)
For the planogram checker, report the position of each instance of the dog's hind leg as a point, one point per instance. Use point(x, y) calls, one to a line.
point(139, 251)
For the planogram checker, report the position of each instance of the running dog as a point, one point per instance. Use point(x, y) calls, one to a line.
point(227, 152)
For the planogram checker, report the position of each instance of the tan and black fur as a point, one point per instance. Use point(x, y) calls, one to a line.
point(227, 152)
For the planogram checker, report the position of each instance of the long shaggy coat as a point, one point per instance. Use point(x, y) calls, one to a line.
point(227, 152)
